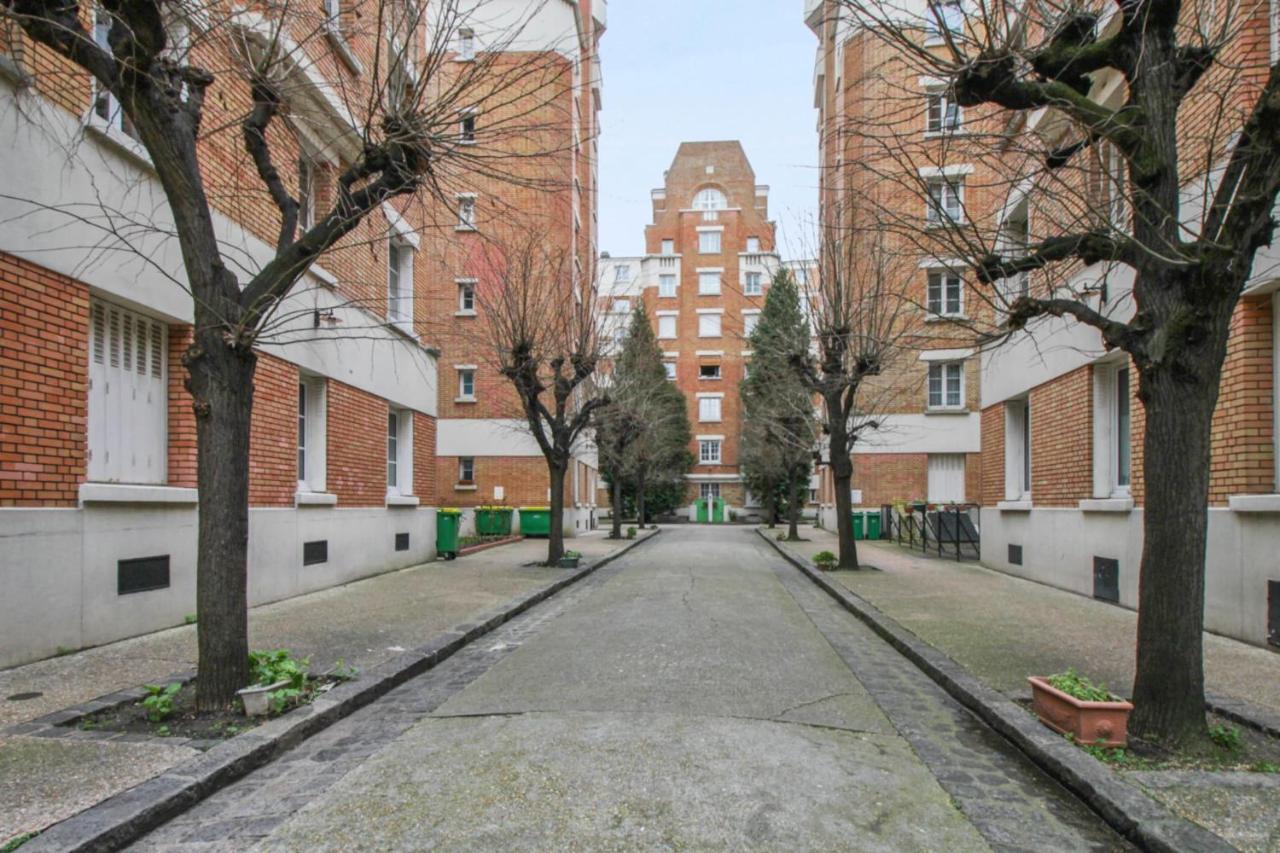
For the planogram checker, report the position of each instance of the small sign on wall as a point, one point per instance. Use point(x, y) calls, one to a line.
point(855, 495)
point(498, 493)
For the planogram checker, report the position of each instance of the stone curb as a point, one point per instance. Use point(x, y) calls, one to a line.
point(122, 819)
point(1128, 810)
point(485, 546)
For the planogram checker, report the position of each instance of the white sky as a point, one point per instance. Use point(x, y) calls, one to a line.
point(689, 70)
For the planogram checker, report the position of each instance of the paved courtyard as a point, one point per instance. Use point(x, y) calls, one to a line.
point(696, 693)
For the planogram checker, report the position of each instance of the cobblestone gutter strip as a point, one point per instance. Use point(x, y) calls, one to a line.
point(1127, 809)
point(122, 819)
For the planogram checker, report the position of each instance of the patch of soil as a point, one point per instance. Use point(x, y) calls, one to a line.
point(186, 722)
point(1254, 751)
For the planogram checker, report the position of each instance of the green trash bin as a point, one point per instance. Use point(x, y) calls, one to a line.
point(447, 521)
point(535, 520)
point(493, 521)
point(859, 525)
point(873, 525)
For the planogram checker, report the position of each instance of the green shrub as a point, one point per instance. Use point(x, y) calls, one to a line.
point(1226, 737)
point(159, 700)
point(631, 533)
point(1079, 687)
point(279, 665)
point(824, 560)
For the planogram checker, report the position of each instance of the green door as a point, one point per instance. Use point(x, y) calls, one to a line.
point(703, 517)
point(717, 511)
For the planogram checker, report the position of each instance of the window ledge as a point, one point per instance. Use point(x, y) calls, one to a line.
point(403, 500)
point(343, 48)
point(460, 487)
point(404, 327)
point(122, 493)
point(946, 410)
point(943, 134)
point(315, 499)
point(464, 313)
point(1254, 503)
point(467, 400)
point(464, 228)
point(1107, 505)
point(122, 142)
point(945, 318)
point(325, 277)
point(1014, 506)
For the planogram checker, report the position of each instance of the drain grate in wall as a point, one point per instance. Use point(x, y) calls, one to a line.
point(1015, 555)
point(402, 541)
point(142, 574)
point(315, 552)
point(1106, 579)
point(1273, 612)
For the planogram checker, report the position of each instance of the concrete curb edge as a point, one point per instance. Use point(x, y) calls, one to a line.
point(123, 818)
point(1124, 807)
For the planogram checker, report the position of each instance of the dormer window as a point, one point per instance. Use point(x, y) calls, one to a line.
point(466, 45)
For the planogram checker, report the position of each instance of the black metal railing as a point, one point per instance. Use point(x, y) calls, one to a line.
point(945, 530)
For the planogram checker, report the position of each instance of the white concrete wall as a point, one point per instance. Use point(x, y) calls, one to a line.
point(58, 566)
point(1058, 547)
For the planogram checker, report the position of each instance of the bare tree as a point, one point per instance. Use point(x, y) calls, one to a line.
point(1130, 155)
point(865, 324)
point(538, 318)
point(187, 78)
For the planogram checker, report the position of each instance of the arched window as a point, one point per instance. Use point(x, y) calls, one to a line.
point(709, 199)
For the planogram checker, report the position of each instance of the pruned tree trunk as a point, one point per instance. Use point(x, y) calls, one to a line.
point(616, 502)
point(221, 383)
point(793, 512)
point(842, 477)
point(771, 507)
point(640, 502)
point(555, 538)
point(1169, 687)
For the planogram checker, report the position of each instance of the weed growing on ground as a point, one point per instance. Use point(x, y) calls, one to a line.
point(343, 672)
point(1226, 737)
point(824, 560)
point(1265, 767)
point(159, 700)
point(189, 619)
point(17, 841)
point(276, 666)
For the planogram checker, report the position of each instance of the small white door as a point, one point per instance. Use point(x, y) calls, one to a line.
point(128, 396)
point(946, 478)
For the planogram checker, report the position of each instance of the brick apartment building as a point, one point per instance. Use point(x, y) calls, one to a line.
point(486, 455)
point(98, 491)
point(928, 445)
point(710, 255)
point(1059, 473)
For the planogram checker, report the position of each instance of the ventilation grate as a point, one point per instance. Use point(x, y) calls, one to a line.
point(142, 574)
point(402, 541)
point(315, 552)
point(1015, 555)
point(1106, 579)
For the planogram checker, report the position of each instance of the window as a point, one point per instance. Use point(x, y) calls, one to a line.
point(708, 371)
point(622, 306)
point(708, 325)
point(944, 294)
point(668, 247)
point(709, 242)
point(311, 435)
point(946, 202)
point(946, 478)
point(466, 383)
point(467, 127)
point(946, 385)
point(466, 212)
point(709, 409)
point(399, 282)
point(1112, 428)
point(943, 113)
point(1017, 464)
point(754, 285)
point(332, 11)
point(1016, 238)
point(709, 451)
point(753, 245)
point(801, 275)
point(667, 326)
point(749, 323)
point(670, 367)
point(466, 45)
point(943, 16)
point(622, 274)
point(128, 396)
point(466, 470)
point(708, 283)
point(467, 297)
point(306, 194)
point(708, 490)
point(399, 452)
point(105, 106)
point(666, 285)
point(709, 199)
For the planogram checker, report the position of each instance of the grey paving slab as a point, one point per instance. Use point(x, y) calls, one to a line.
point(1242, 808)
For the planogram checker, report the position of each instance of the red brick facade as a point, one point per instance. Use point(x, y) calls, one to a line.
point(44, 380)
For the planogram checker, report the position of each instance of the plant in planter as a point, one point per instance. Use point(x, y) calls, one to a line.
point(824, 560)
point(1070, 704)
point(570, 560)
point(279, 678)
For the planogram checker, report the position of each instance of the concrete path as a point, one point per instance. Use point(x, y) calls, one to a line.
point(362, 623)
point(698, 693)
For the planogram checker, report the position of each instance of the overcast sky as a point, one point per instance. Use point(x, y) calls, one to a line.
point(689, 70)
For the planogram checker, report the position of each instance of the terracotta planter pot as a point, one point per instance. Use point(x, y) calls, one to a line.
point(1091, 723)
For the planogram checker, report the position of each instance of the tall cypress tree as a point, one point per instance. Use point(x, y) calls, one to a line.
point(779, 424)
